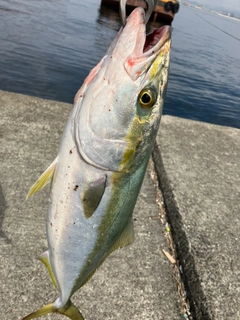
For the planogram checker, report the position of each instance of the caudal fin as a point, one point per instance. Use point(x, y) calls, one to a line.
point(69, 311)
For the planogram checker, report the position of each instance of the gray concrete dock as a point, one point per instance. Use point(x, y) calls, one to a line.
point(198, 168)
point(198, 165)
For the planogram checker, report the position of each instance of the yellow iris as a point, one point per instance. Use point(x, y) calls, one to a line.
point(147, 98)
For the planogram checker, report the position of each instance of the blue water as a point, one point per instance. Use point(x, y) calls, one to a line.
point(47, 48)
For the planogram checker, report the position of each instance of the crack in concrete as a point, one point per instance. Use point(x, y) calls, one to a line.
point(181, 246)
point(3, 207)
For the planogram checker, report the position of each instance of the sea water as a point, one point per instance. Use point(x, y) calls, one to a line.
point(48, 47)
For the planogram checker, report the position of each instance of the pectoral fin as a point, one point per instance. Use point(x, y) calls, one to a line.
point(91, 195)
point(43, 179)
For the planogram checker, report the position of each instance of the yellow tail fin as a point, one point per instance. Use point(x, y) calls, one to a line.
point(41, 312)
point(69, 311)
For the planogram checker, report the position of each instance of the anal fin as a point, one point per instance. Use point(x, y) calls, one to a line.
point(43, 179)
point(126, 238)
point(44, 258)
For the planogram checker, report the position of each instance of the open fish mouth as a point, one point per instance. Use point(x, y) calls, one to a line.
point(147, 47)
point(156, 39)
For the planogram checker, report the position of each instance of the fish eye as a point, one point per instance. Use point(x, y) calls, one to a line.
point(147, 98)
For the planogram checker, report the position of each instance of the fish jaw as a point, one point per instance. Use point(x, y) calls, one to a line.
point(107, 109)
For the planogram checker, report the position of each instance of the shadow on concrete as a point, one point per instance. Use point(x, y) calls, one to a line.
point(3, 207)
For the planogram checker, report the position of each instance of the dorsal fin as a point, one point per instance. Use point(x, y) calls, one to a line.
point(43, 179)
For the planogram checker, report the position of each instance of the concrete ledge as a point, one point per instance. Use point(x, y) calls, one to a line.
point(199, 172)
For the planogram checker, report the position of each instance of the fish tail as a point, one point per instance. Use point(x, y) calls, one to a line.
point(40, 312)
point(69, 311)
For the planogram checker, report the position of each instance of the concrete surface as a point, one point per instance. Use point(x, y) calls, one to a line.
point(199, 169)
point(134, 283)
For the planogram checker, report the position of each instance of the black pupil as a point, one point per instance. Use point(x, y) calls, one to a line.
point(146, 98)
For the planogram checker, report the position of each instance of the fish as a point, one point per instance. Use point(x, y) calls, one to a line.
point(102, 159)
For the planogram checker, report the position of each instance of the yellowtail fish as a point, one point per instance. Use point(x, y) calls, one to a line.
point(102, 159)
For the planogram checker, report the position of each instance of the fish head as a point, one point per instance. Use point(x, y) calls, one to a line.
point(122, 99)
